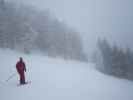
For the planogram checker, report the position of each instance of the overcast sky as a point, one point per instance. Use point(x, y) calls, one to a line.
point(94, 18)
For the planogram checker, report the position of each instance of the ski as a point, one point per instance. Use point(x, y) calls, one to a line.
point(26, 83)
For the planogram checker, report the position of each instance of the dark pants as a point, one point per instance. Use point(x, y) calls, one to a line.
point(22, 77)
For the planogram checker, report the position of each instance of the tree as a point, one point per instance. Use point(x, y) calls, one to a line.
point(116, 61)
point(26, 29)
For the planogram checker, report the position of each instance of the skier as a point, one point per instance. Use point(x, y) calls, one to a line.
point(21, 69)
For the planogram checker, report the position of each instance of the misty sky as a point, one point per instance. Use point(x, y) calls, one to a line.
point(94, 18)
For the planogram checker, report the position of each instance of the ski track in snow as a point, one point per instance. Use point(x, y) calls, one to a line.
point(56, 79)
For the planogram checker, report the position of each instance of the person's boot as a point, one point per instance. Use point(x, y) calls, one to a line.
point(22, 82)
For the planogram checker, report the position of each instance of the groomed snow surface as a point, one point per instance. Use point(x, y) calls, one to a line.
point(56, 79)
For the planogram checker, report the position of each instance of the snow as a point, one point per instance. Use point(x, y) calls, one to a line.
point(57, 79)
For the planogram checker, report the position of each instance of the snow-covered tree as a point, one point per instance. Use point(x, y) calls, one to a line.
point(115, 60)
point(24, 28)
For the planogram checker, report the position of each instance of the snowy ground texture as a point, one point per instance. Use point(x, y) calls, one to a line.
point(56, 79)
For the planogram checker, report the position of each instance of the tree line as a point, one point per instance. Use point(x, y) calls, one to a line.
point(114, 60)
point(27, 29)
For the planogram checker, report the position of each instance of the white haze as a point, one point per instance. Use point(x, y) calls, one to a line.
point(57, 79)
point(93, 18)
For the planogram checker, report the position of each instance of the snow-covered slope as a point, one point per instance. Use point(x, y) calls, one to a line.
point(56, 79)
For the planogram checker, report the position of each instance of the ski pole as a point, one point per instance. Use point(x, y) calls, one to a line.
point(11, 77)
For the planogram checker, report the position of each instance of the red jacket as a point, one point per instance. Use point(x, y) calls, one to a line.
point(20, 66)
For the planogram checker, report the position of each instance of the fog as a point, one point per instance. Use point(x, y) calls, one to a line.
point(93, 18)
point(114, 20)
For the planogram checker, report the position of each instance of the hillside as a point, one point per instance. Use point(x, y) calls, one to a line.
point(28, 29)
point(57, 79)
